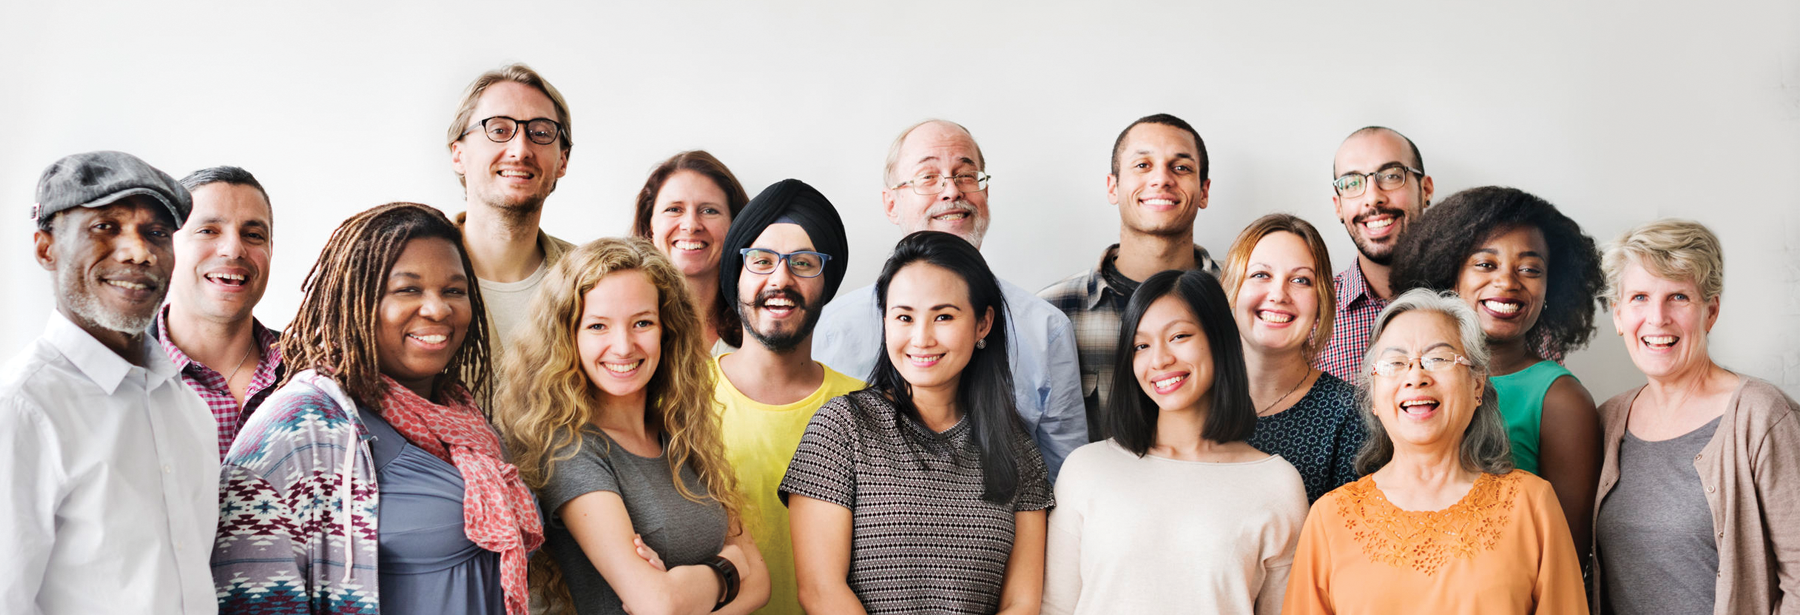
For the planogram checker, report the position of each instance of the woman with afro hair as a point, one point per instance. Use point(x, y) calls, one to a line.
point(1533, 278)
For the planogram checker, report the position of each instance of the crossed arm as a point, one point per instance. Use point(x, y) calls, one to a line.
point(602, 527)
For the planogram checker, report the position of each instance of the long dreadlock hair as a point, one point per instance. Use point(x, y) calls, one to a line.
point(335, 329)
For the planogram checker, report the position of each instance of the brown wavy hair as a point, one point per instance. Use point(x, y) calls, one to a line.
point(334, 332)
point(545, 398)
point(722, 313)
point(1238, 260)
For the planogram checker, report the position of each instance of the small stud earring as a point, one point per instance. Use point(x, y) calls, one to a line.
point(981, 343)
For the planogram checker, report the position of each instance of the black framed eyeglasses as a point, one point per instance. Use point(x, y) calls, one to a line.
point(500, 129)
point(1391, 177)
point(803, 264)
point(932, 183)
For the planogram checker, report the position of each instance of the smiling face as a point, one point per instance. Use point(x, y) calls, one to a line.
point(931, 326)
point(689, 221)
point(1664, 322)
point(516, 175)
point(1421, 409)
point(780, 309)
point(940, 149)
point(619, 339)
point(1505, 280)
point(1158, 189)
point(1377, 219)
point(1277, 305)
point(223, 252)
point(424, 313)
point(112, 264)
point(1171, 356)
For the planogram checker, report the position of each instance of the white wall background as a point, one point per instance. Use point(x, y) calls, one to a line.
point(1618, 112)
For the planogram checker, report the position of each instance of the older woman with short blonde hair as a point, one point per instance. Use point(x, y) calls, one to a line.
point(1442, 522)
point(1700, 463)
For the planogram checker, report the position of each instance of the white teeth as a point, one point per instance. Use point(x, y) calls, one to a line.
point(1410, 404)
point(128, 285)
point(1159, 202)
point(1168, 382)
point(1275, 317)
point(227, 276)
point(1379, 223)
point(924, 358)
point(432, 339)
point(514, 174)
point(1659, 340)
point(779, 302)
point(1501, 306)
point(956, 215)
point(689, 245)
point(622, 368)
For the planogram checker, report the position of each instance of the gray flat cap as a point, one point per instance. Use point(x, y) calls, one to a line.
point(98, 179)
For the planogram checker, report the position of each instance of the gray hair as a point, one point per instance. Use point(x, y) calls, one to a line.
point(231, 175)
point(1671, 249)
point(1484, 446)
point(893, 157)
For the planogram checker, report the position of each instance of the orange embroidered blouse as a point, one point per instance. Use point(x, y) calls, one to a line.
point(1504, 549)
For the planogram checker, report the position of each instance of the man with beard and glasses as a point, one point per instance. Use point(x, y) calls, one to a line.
point(208, 327)
point(1159, 182)
point(935, 182)
point(784, 257)
point(509, 144)
point(1379, 188)
point(111, 470)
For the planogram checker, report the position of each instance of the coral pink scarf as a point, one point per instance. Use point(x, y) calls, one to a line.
point(499, 513)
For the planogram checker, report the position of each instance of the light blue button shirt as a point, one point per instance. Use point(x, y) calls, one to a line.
point(1041, 348)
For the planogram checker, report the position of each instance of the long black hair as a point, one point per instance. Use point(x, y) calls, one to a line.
point(1131, 415)
point(985, 391)
point(1432, 257)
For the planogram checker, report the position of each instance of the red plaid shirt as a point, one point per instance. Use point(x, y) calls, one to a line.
point(1357, 307)
point(212, 387)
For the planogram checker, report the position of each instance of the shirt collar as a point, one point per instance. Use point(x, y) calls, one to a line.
point(267, 341)
point(100, 364)
point(1355, 286)
point(1096, 282)
point(552, 250)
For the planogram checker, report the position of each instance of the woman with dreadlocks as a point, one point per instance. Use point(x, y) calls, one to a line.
point(370, 482)
point(606, 401)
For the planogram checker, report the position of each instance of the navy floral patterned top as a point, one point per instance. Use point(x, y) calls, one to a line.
point(1319, 435)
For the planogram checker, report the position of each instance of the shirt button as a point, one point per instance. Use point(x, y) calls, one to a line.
point(168, 469)
point(1710, 488)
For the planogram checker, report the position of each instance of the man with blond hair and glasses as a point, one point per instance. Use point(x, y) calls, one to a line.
point(509, 144)
point(935, 180)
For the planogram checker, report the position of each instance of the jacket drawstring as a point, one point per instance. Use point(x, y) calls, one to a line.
point(346, 496)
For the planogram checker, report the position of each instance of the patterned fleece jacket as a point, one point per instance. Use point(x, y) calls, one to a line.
point(289, 540)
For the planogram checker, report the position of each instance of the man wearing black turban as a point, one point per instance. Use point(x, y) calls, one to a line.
point(769, 390)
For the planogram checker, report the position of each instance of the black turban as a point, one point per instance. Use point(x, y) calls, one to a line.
point(800, 204)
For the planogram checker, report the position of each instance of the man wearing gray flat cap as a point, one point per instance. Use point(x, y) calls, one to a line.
point(111, 473)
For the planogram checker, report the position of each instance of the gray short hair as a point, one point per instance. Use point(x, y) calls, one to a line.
point(893, 157)
point(1671, 249)
point(1484, 446)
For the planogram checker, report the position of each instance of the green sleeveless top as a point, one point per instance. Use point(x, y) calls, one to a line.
point(1522, 408)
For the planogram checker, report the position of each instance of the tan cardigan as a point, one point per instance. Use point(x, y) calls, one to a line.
point(1751, 471)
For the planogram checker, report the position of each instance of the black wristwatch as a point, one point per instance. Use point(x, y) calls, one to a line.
point(728, 579)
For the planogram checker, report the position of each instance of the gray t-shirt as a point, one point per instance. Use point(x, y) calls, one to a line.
point(508, 304)
point(681, 531)
point(1655, 531)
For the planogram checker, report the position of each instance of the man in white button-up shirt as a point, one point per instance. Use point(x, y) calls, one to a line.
point(110, 472)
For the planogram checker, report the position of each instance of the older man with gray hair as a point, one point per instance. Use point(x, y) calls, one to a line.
point(111, 472)
point(936, 180)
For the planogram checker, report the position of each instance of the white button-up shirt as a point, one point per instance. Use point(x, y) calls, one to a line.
point(111, 482)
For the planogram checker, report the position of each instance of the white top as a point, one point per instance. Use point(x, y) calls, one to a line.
point(1155, 535)
point(111, 477)
point(509, 304)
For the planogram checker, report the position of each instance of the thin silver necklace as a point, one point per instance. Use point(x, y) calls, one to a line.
point(240, 365)
point(1278, 400)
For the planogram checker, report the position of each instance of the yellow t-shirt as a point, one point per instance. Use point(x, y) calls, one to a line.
point(759, 441)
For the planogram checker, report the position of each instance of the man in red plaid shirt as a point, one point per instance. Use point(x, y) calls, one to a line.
point(1379, 188)
point(221, 269)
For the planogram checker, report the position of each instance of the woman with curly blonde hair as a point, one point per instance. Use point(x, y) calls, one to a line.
point(606, 402)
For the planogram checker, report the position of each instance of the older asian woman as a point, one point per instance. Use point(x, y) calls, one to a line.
point(1701, 464)
point(1533, 278)
point(1442, 523)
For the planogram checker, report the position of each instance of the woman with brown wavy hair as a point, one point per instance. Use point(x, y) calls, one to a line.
point(607, 406)
point(685, 208)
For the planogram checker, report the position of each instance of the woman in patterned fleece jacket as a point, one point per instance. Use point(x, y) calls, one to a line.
point(387, 329)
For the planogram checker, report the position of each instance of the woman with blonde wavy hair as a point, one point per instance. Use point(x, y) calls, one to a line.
point(606, 402)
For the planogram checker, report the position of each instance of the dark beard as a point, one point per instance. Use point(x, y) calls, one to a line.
point(779, 342)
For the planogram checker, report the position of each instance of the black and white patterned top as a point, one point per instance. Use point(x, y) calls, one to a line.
point(1320, 435)
point(922, 539)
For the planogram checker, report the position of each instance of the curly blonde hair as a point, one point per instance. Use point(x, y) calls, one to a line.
point(545, 398)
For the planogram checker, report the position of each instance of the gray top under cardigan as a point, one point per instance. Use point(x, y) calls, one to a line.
point(428, 563)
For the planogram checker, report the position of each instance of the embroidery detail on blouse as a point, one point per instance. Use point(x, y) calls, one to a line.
point(1426, 540)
